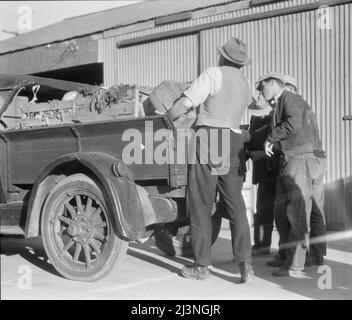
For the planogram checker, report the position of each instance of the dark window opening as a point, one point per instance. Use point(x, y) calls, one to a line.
point(88, 73)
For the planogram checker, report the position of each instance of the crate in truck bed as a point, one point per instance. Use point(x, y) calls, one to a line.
point(77, 107)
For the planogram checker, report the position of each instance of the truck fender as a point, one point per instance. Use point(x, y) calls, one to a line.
point(117, 184)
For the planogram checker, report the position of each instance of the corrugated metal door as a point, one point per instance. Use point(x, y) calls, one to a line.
point(151, 63)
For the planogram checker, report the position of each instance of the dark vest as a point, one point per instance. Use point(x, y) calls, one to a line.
point(265, 168)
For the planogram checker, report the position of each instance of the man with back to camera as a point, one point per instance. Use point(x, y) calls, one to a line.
point(293, 128)
point(221, 93)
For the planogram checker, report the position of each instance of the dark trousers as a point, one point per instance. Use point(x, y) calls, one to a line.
point(317, 247)
point(201, 193)
point(281, 221)
point(297, 179)
point(264, 216)
point(314, 169)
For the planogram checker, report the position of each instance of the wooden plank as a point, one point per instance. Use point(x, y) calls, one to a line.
point(261, 2)
point(58, 112)
point(60, 55)
point(184, 16)
point(46, 106)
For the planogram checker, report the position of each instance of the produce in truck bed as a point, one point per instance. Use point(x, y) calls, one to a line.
point(90, 103)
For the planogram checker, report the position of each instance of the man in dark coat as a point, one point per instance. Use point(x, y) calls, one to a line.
point(265, 171)
point(293, 128)
point(317, 245)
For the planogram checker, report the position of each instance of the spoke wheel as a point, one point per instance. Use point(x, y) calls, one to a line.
point(80, 229)
point(77, 231)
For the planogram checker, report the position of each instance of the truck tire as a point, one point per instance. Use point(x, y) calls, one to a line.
point(77, 231)
point(176, 241)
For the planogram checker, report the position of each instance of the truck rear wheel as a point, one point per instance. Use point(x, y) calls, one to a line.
point(77, 232)
point(176, 241)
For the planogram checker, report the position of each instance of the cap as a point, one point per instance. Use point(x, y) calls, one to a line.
point(270, 75)
point(291, 80)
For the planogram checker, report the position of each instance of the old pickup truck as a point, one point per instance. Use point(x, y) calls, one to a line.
point(66, 181)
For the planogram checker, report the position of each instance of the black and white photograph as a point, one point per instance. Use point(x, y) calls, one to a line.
point(176, 154)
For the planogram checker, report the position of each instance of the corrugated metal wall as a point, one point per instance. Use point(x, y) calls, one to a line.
point(151, 63)
point(133, 64)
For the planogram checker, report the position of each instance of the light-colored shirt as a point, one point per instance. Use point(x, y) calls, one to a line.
point(207, 85)
point(276, 99)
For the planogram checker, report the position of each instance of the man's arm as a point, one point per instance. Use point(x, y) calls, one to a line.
point(259, 136)
point(180, 107)
point(205, 85)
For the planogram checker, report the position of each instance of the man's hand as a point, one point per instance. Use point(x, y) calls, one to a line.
point(245, 135)
point(180, 107)
point(268, 147)
point(258, 102)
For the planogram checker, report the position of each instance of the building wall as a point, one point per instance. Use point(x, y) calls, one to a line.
point(60, 55)
point(293, 44)
point(151, 63)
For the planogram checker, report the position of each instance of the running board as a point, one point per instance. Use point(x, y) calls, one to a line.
point(12, 215)
point(12, 230)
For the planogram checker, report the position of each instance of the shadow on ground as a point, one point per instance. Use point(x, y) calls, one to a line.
point(32, 250)
point(224, 268)
point(309, 285)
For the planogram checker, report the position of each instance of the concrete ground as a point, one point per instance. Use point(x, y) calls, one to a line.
point(147, 273)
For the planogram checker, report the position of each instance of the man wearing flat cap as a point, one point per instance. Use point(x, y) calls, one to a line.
point(293, 128)
point(221, 95)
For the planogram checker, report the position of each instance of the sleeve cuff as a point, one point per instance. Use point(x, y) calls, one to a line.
point(189, 96)
point(271, 140)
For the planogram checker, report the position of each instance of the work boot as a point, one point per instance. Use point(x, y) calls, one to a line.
point(276, 262)
point(314, 261)
point(246, 271)
point(195, 272)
